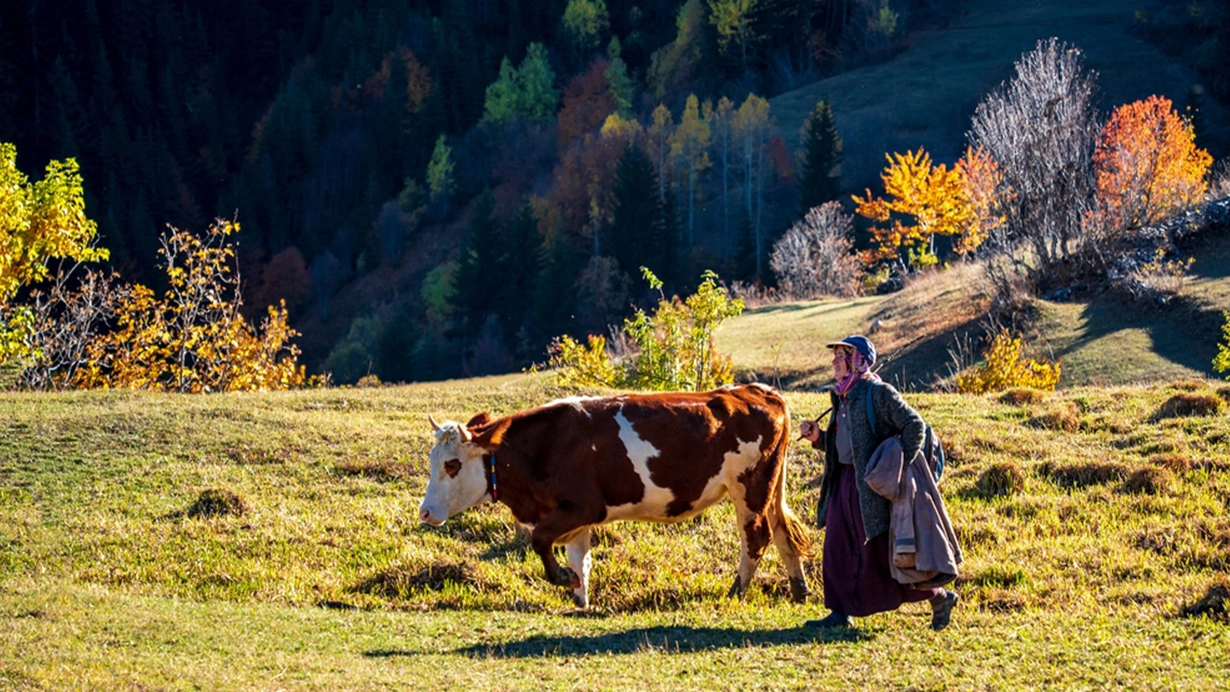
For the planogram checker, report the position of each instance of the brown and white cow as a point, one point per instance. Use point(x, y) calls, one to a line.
point(575, 463)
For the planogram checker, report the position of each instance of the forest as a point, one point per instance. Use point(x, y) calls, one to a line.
point(438, 188)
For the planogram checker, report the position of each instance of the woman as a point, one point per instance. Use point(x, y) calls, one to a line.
point(857, 580)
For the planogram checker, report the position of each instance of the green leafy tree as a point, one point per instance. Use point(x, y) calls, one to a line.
point(621, 84)
point(40, 222)
point(586, 22)
point(821, 158)
point(527, 92)
point(440, 171)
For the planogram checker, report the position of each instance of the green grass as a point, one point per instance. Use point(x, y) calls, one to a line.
point(1075, 579)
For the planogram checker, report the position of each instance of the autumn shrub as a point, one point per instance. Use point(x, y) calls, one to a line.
point(193, 338)
point(673, 349)
point(40, 222)
point(1005, 367)
point(1147, 165)
point(1221, 362)
point(1189, 404)
point(1001, 480)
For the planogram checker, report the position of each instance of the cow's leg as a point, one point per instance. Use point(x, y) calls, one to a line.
point(788, 547)
point(754, 537)
point(580, 561)
point(546, 534)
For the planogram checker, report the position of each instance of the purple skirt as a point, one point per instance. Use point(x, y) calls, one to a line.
point(857, 580)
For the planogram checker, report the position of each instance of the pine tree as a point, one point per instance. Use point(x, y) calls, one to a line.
point(637, 218)
point(821, 159)
point(518, 269)
point(479, 282)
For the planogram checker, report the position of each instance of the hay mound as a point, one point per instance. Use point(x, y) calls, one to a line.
point(1021, 396)
point(217, 502)
point(1001, 480)
point(400, 582)
point(1187, 404)
point(1083, 475)
point(1149, 481)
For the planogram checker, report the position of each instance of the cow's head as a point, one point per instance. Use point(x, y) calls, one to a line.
point(458, 480)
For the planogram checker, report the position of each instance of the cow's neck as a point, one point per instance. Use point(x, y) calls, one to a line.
point(493, 486)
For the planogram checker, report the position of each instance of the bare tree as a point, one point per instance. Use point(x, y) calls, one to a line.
point(1041, 128)
point(65, 321)
point(816, 256)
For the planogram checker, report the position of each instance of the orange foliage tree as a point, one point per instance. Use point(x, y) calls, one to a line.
point(935, 198)
point(1147, 164)
point(194, 338)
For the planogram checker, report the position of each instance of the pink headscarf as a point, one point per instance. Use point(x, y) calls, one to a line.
point(857, 368)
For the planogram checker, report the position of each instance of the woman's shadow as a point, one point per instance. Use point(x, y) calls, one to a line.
point(671, 638)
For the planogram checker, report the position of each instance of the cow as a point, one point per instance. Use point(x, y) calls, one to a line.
point(576, 463)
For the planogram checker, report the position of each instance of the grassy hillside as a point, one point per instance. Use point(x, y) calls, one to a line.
point(1114, 519)
point(1103, 340)
point(924, 95)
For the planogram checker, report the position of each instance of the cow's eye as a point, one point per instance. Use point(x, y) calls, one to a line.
point(452, 467)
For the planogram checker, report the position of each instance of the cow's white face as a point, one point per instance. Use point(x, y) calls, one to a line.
point(458, 480)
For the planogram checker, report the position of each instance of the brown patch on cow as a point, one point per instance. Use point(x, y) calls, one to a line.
point(452, 467)
point(759, 535)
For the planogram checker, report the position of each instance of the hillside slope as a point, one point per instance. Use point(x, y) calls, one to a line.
point(925, 95)
point(1103, 340)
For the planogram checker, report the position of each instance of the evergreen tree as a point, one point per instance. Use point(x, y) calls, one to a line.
point(555, 294)
point(479, 283)
point(518, 270)
point(821, 159)
point(636, 232)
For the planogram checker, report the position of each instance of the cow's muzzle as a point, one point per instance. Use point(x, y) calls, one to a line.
point(426, 517)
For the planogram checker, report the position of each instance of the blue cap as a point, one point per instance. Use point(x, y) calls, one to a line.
point(859, 343)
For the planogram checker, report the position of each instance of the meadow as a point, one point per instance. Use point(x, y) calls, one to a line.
point(270, 541)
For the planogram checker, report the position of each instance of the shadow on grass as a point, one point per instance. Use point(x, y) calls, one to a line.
point(674, 639)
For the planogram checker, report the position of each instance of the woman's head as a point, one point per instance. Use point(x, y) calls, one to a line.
point(853, 356)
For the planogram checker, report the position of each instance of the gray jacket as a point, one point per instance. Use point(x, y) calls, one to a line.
point(893, 417)
point(925, 552)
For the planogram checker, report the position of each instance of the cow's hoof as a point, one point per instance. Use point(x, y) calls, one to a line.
point(566, 577)
point(798, 589)
point(736, 589)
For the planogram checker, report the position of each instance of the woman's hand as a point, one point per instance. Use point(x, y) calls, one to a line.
point(809, 431)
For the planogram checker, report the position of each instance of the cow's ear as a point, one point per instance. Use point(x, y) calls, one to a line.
point(479, 420)
point(493, 436)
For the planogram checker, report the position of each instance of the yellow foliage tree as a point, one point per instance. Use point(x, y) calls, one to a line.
point(194, 338)
point(1148, 164)
point(39, 222)
point(935, 198)
point(1004, 367)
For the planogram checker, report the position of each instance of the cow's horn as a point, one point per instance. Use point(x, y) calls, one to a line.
point(434, 425)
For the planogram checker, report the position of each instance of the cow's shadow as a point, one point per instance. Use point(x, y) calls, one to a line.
point(668, 638)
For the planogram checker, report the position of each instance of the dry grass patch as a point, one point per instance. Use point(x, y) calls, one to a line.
point(401, 582)
point(1176, 462)
point(1065, 417)
point(217, 502)
point(1189, 385)
point(1083, 475)
point(1148, 481)
point(1188, 404)
point(1021, 396)
point(1001, 480)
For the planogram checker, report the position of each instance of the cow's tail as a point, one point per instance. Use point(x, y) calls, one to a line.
point(787, 522)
